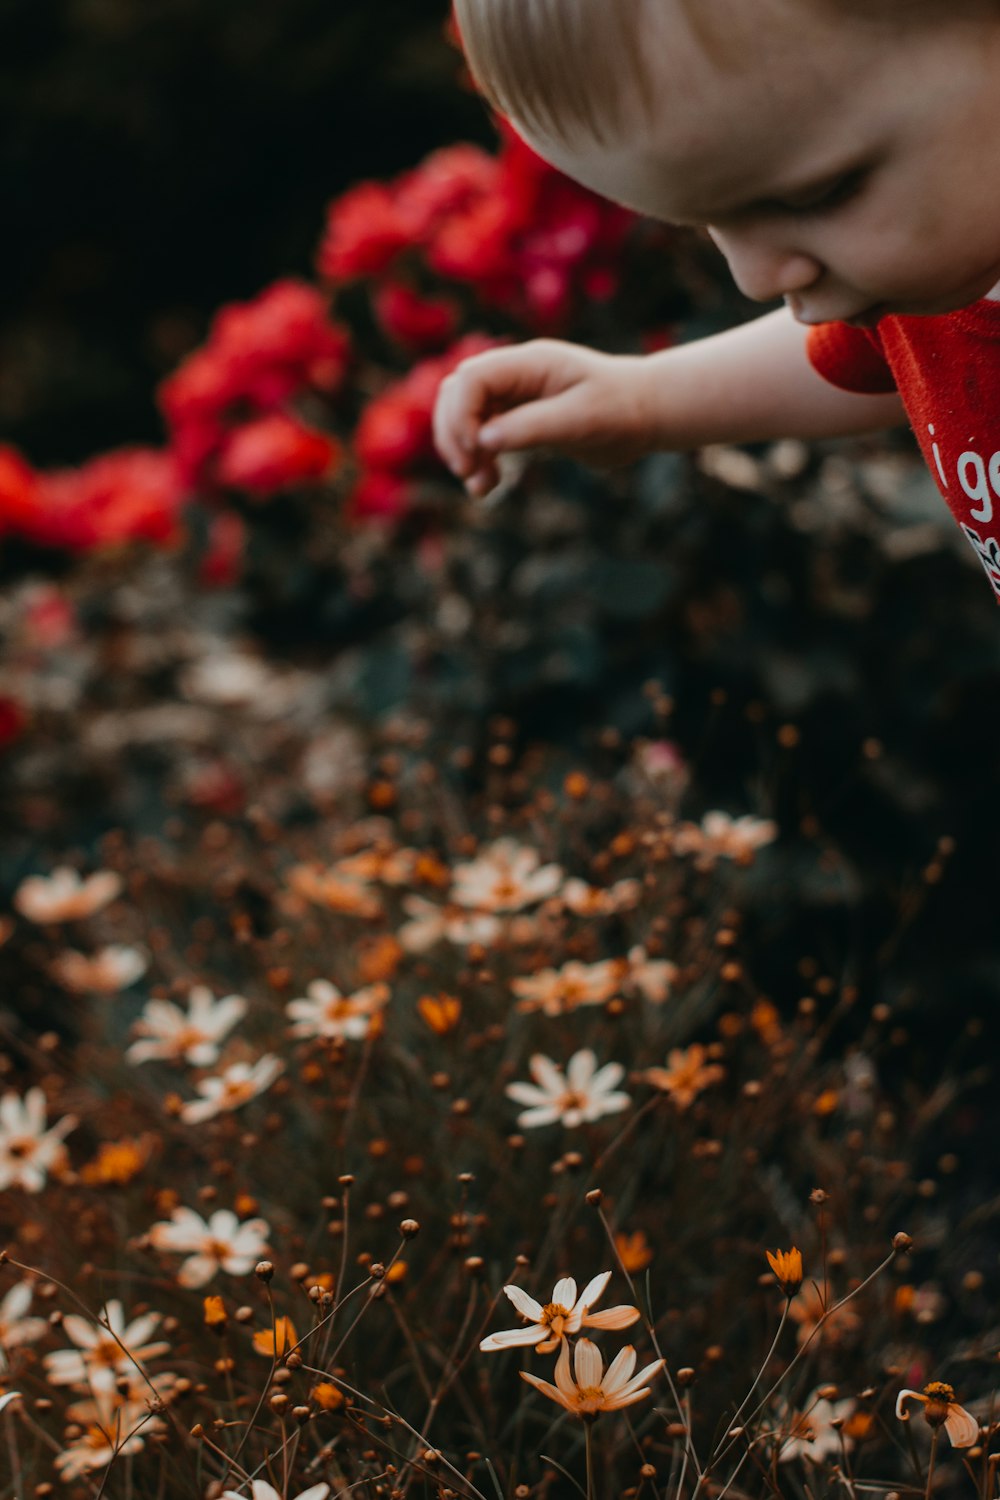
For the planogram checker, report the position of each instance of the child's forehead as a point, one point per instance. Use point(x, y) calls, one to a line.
point(710, 132)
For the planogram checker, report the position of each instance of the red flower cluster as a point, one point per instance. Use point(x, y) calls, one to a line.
point(225, 405)
point(511, 227)
point(394, 440)
point(134, 494)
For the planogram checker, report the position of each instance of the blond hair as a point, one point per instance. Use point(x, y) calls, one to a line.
point(556, 66)
point(562, 68)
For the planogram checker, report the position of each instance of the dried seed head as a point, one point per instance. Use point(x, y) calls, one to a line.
point(409, 1228)
point(901, 1242)
point(278, 1402)
point(594, 1197)
point(685, 1376)
point(264, 1271)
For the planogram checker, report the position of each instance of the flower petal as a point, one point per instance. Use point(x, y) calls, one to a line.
point(547, 1390)
point(594, 1290)
point(509, 1337)
point(961, 1426)
point(588, 1364)
point(526, 1306)
point(580, 1069)
point(619, 1372)
point(901, 1399)
point(564, 1292)
point(612, 1317)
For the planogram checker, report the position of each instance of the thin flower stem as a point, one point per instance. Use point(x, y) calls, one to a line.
point(690, 1451)
point(767, 1360)
point(590, 1459)
point(930, 1465)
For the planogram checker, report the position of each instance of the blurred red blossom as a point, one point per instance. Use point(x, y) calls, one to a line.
point(394, 437)
point(524, 237)
point(132, 494)
point(12, 720)
point(259, 356)
point(273, 453)
point(416, 322)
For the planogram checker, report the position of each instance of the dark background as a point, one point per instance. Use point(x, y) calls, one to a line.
point(161, 157)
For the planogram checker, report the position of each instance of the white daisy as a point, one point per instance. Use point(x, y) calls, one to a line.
point(261, 1490)
point(64, 896)
point(193, 1036)
point(220, 1244)
point(811, 1433)
point(231, 1089)
point(15, 1328)
point(327, 1012)
point(581, 1095)
point(594, 1389)
point(504, 877)
point(429, 923)
point(99, 1359)
point(28, 1152)
point(566, 1313)
point(106, 972)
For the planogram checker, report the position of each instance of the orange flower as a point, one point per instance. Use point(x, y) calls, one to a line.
point(441, 1013)
point(215, 1314)
point(787, 1268)
point(378, 958)
point(116, 1162)
point(327, 1395)
point(278, 1340)
point(595, 1390)
point(942, 1410)
point(687, 1075)
point(634, 1251)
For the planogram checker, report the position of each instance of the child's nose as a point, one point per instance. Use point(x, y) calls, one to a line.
point(766, 272)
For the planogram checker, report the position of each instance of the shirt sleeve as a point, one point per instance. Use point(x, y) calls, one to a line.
point(850, 358)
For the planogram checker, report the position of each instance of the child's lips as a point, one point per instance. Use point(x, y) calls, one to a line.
point(868, 316)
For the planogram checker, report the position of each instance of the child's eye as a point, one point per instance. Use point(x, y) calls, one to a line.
point(825, 196)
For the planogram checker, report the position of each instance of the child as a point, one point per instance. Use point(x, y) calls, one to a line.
point(844, 155)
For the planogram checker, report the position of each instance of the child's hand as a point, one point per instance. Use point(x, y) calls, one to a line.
point(542, 394)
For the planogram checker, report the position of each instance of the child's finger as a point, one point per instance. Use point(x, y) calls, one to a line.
point(553, 422)
point(481, 385)
point(484, 478)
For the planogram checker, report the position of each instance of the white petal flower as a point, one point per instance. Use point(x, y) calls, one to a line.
point(566, 1313)
point(29, 1151)
point(326, 1012)
point(231, 1089)
point(594, 1390)
point(99, 1360)
point(220, 1244)
point(64, 896)
point(15, 1328)
point(582, 1095)
point(811, 1431)
point(194, 1036)
point(504, 877)
point(261, 1490)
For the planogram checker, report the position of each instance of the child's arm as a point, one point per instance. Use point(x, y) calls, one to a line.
point(748, 384)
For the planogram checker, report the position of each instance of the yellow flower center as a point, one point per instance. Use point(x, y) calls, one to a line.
point(572, 1099)
point(554, 1316)
point(105, 1352)
point(22, 1146)
point(189, 1036)
point(236, 1093)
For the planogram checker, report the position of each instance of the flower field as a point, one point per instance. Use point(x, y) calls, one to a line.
point(498, 999)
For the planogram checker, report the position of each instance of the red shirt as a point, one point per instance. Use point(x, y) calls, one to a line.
point(947, 371)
